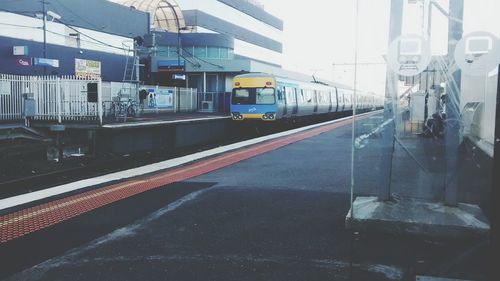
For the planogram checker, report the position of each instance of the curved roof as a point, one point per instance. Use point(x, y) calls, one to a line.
point(164, 13)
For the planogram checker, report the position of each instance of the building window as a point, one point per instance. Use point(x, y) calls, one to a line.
point(224, 53)
point(200, 52)
point(213, 53)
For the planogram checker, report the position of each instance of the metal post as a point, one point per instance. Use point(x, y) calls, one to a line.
point(58, 99)
point(452, 132)
point(44, 35)
point(99, 101)
point(495, 191)
point(178, 33)
point(390, 107)
point(177, 101)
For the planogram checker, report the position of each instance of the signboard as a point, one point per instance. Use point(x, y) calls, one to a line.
point(164, 98)
point(20, 50)
point(87, 68)
point(179, 76)
point(23, 62)
point(170, 66)
point(45, 62)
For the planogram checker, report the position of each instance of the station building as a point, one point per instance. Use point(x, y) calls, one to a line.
point(218, 39)
point(89, 30)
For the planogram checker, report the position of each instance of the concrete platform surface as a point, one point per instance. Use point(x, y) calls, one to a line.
point(430, 278)
point(407, 216)
point(276, 216)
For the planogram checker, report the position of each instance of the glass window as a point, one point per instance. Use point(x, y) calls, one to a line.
point(253, 96)
point(200, 52)
point(172, 51)
point(213, 52)
point(224, 53)
point(265, 96)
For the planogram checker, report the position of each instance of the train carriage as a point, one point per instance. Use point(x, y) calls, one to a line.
point(265, 97)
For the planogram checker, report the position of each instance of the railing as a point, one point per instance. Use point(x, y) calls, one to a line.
point(56, 98)
point(65, 99)
point(11, 100)
point(213, 102)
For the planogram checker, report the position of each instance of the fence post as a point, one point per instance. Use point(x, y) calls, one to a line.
point(177, 100)
point(99, 100)
point(191, 100)
point(58, 100)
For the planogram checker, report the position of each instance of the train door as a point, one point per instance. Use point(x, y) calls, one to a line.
point(281, 103)
point(291, 96)
point(336, 99)
point(315, 100)
point(295, 107)
point(285, 101)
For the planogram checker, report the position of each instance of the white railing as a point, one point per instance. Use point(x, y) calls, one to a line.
point(65, 99)
point(11, 100)
point(56, 98)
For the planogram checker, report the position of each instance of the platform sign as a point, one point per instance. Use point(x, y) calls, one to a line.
point(164, 98)
point(20, 50)
point(87, 68)
point(46, 62)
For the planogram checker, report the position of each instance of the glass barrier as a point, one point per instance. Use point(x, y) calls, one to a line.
point(423, 164)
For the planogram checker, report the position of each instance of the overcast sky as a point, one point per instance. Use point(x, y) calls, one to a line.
point(319, 33)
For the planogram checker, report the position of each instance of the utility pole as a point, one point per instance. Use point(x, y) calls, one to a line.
point(44, 9)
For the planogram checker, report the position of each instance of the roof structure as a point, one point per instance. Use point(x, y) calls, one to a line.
point(166, 15)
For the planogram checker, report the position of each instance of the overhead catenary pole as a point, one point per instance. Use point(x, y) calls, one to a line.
point(452, 131)
point(385, 165)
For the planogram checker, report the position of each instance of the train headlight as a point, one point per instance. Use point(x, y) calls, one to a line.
point(269, 116)
point(236, 116)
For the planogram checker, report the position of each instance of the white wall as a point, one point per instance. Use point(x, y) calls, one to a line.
point(227, 13)
point(31, 29)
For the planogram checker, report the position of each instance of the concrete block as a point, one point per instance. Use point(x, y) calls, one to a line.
point(409, 216)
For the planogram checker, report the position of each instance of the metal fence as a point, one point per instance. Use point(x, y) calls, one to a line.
point(56, 98)
point(213, 102)
point(65, 99)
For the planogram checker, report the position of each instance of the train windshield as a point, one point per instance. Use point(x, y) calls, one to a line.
point(253, 96)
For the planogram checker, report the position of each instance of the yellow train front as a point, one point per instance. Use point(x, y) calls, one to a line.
point(265, 97)
point(254, 98)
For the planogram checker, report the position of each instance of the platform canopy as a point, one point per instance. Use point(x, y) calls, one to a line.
point(164, 13)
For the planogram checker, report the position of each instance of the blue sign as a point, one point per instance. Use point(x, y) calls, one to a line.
point(179, 76)
point(45, 62)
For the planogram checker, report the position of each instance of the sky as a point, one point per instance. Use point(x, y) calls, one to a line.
point(321, 33)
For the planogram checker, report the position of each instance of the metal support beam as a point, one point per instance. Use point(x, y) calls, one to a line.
point(495, 192)
point(390, 107)
point(452, 132)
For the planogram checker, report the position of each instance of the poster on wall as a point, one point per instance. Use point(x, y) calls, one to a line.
point(87, 69)
point(164, 98)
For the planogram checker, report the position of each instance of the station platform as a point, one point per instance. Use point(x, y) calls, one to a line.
point(144, 120)
point(271, 208)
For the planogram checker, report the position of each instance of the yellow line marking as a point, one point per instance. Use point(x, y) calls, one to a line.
point(65, 204)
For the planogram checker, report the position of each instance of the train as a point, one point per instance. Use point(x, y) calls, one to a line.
point(270, 98)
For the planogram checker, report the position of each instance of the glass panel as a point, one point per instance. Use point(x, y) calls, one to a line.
point(200, 52)
point(253, 96)
point(213, 52)
point(423, 162)
point(224, 53)
point(172, 52)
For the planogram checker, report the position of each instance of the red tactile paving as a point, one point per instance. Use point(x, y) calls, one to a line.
point(32, 219)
